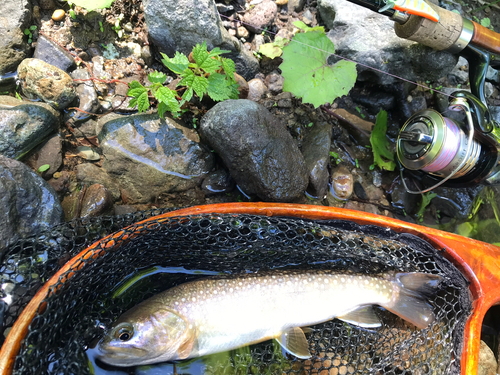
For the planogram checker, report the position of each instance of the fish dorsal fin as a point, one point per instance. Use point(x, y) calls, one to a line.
point(363, 316)
point(294, 341)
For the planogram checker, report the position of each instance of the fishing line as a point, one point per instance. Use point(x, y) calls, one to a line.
point(342, 57)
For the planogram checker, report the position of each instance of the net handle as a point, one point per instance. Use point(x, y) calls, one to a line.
point(478, 261)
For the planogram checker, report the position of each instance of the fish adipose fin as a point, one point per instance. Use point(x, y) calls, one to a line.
point(364, 317)
point(294, 341)
point(411, 304)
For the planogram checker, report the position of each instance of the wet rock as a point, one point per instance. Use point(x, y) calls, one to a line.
point(89, 174)
point(180, 25)
point(87, 96)
point(455, 202)
point(216, 182)
point(148, 156)
point(50, 153)
point(47, 4)
point(40, 80)
point(27, 203)
point(15, 17)
point(23, 125)
point(342, 183)
point(58, 15)
point(402, 200)
point(316, 150)
point(363, 35)
point(487, 364)
point(260, 154)
point(260, 16)
point(359, 128)
point(374, 101)
point(97, 201)
point(52, 54)
point(256, 89)
point(274, 82)
point(60, 182)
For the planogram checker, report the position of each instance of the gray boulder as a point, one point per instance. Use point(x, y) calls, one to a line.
point(15, 16)
point(260, 154)
point(27, 203)
point(362, 35)
point(180, 25)
point(24, 125)
point(147, 156)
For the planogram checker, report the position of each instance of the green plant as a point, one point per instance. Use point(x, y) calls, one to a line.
point(208, 74)
point(382, 155)
point(29, 33)
point(43, 168)
point(426, 200)
point(309, 74)
point(117, 26)
point(273, 49)
point(335, 157)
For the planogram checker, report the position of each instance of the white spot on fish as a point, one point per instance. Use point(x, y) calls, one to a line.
point(193, 299)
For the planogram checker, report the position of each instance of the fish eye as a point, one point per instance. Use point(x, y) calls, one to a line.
point(124, 334)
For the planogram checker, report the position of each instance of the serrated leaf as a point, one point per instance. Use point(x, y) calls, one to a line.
point(157, 77)
point(136, 92)
point(218, 88)
point(186, 97)
point(167, 96)
point(229, 69)
point(176, 64)
point(204, 60)
point(132, 103)
point(382, 156)
point(217, 51)
point(309, 76)
point(93, 4)
point(143, 102)
point(197, 83)
point(170, 107)
point(134, 85)
point(486, 22)
point(301, 25)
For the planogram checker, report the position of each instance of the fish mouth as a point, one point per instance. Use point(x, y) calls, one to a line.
point(119, 356)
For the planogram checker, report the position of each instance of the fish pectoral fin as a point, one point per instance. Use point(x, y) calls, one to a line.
point(294, 341)
point(363, 316)
point(186, 346)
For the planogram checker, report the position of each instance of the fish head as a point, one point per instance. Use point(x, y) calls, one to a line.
point(141, 337)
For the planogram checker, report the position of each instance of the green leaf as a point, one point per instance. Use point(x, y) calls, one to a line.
point(382, 155)
point(197, 83)
point(132, 103)
point(426, 200)
point(186, 97)
point(157, 77)
point(143, 102)
point(135, 85)
point(229, 69)
point(218, 88)
point(135, 93)
point(167, 97)
point(274, 49)
point(309, 76)
point(93, 4)
point(485, 22)
point(204, 60)
point(176, 64)
point(301, 25)
point(44, 168)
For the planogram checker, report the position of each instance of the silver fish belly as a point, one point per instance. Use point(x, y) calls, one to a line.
point(219, 314)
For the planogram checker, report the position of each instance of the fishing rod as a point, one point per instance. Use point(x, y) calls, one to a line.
point(437, 150)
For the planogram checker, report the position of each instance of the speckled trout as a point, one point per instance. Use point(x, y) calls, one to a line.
point(223, 313)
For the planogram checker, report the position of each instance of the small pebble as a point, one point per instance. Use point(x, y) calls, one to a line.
point(58, 15)
point(281, 2)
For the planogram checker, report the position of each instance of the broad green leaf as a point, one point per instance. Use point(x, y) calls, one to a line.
point(186, 97)
point(136, 92)
point(93, 4)
point(218, 88)
point(204, 60)
point(135, 85)
point(132, 103)
point(176, 64)
point(229, 69)
point(157, 77)
point(167, 96)
point(217, 51)
point(486, 22)
point(382, 155)
point(301, 25)
point(309, 76)
point(44, 168)
point(143, 102)
point(172, 108)
point(197, 83)
point(274, 49)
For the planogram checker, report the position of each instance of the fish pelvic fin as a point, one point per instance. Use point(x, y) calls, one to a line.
point(363, 316)
point(294, 341)
point(411, 301)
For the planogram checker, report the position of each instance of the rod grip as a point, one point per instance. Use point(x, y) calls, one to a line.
point(438, 35)
point(486, 38)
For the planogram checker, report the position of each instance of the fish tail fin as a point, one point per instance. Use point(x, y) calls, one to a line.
point(411, 302)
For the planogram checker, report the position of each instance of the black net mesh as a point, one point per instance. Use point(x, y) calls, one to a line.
point(78, 308)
